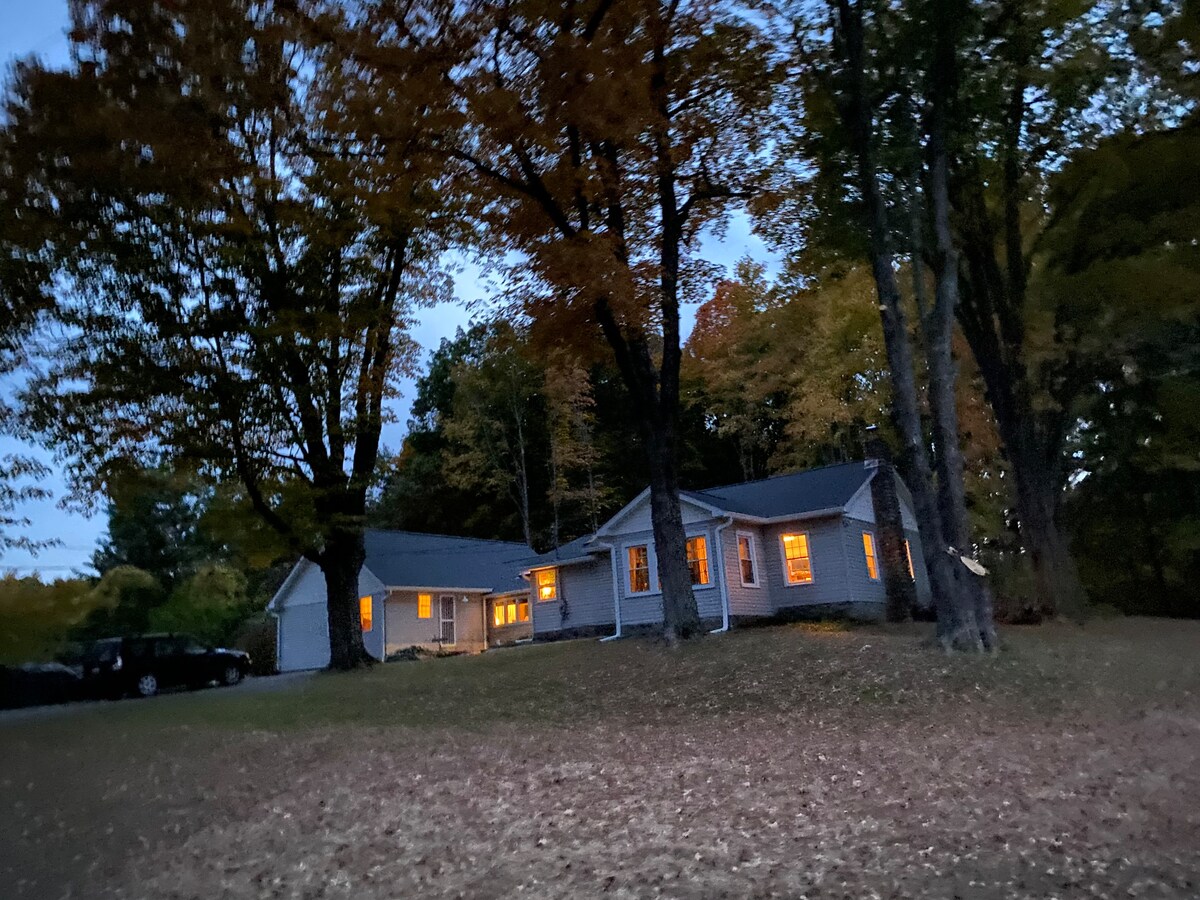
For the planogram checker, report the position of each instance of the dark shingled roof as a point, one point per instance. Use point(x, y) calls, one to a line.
point(829, 487)
point(410, 559)
point(576, 549)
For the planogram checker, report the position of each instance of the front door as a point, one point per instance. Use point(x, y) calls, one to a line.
point(447, 604)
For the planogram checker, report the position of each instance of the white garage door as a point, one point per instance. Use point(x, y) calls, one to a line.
point(303, 638)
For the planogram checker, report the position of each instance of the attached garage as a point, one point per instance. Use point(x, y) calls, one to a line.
point(424, 590)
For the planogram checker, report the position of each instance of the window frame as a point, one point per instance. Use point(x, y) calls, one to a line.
point(749, 536)
point(702, 536)
point(537, 586)
point(629, 591)
point(425, 602)
point(871, 559)
point(812, 572)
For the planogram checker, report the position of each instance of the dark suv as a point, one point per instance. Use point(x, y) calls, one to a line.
point(147, 664)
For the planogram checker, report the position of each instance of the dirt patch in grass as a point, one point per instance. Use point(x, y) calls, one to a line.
point(779, 762)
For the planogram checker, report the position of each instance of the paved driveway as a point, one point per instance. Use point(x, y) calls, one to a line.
point(248, 686)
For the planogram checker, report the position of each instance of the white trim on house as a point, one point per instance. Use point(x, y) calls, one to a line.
point(722, 575)
point(874, 555)
point(293, 576)
point(708, 569)
point(812, 570)
point(651, 569)
point(616, 592)
point(433, 588)
point(749, 535)
point(605, 530)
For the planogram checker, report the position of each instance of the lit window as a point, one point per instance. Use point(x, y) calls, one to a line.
point(424, 602)
point(523, 611)
point(908, 552)
point(869, 548)
point(796, 558)
point(497, 613)
point(547, 584)
point(639, 569)
point(364, 613)
point(510, 611)
point(746, 559)
point(697, 559)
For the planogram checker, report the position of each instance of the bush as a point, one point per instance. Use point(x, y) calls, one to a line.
point(256, 636)
point(211, 605)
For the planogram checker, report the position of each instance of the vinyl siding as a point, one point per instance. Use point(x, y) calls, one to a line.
point(861, 506)
point(743, 600)
point(636, 519)
point(647, 609)
point(921, 574)
point(304, 623)
point(863, 589)
point(406, 629)
point(586, 589)
point(827, 556)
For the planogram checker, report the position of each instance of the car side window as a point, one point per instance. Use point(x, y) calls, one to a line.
point(193, 647)
point(172, 647)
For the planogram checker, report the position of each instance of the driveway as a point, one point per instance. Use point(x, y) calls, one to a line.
point(253, 685)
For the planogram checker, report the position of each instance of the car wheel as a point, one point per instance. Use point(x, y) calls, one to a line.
point(232, 675)
point(147, 685)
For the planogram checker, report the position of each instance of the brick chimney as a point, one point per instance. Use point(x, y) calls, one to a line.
point(897, 582)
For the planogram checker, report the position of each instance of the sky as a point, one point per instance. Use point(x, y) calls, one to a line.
point(38, 27)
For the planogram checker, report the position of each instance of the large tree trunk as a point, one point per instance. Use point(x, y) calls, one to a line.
point(340, 562)
point(681, 618)
point(1056, 577)
point(954, 618)
point(938, 324)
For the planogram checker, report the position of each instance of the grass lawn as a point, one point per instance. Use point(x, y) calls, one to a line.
point(788, 761)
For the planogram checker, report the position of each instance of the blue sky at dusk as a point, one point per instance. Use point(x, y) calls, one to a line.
point(38, 27)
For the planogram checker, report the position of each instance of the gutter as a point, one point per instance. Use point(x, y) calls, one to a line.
point(616, 587)
point(721, 574)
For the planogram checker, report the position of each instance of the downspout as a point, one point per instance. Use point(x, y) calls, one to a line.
point(616, 585)
point(724, 586)
point(383, 635)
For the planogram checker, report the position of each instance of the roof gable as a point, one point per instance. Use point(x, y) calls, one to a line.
point(634, 515)
point(827, 489)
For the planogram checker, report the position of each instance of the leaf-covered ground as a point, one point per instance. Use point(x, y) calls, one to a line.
point(790, 761)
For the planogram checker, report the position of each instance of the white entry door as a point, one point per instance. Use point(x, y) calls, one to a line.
point(447, 605)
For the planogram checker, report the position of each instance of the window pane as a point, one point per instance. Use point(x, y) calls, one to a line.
point(522, 612)
point(511, 610)
point(908, 552)
point(424, 602)
point(746, 559)
point(364, 613)
point(795, 552)
point(547, 584)
point(697, 557)
point(869, 549)
point(639, 569)
point(497, 613)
